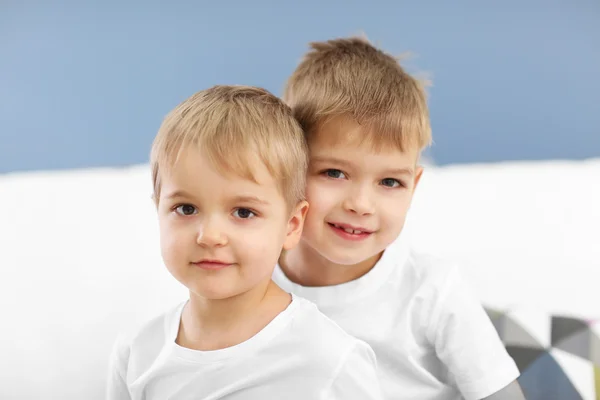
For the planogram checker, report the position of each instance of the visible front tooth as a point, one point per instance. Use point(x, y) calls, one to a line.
point(352, 231)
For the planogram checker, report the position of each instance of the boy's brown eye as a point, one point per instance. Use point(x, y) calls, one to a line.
point(185, 209)
point(244, 213)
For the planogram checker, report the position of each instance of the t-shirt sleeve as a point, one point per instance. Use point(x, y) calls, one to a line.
point(356, 377)
point(466, 341)
point(116, 388)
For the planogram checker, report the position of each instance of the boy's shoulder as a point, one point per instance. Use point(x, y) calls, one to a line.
point(433, 289)
point(427, 285)
point(149, 336)
point(324, 350)
point(420, 269)
point(433, 269)
point(448, 316)
point(316, 331)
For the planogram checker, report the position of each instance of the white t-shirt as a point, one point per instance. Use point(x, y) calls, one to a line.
point(301, 354)
point(431, 336)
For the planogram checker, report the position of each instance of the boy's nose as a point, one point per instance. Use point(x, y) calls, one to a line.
point(210, 235)
point(359, 202)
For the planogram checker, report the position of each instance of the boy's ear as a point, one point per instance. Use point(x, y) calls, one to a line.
point(418, 174)
point(295, 225)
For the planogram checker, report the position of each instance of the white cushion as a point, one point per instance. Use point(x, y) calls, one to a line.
point(80, 259)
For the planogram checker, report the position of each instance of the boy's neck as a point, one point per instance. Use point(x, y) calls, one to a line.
point(216, 324)
point(304, 266)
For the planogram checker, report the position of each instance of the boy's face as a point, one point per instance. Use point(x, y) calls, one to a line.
point(221, 235)
point(358, 197)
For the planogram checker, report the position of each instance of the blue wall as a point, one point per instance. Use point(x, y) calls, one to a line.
point(84, 84)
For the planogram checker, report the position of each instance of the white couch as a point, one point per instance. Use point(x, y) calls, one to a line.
point(80, 261)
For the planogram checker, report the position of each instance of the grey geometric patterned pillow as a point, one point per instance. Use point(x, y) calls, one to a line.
point(558, 356)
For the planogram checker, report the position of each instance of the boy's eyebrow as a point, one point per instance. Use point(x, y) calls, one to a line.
point(393, 171)
point(240, 198)
point(401, 171)
point(250, 199)
point(330, 160)
point(177, 194)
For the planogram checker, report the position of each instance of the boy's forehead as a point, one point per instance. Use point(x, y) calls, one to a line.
point(344, 136)
point(195, 172)
point(345, 131)
point(323, 147)
point(364, 157)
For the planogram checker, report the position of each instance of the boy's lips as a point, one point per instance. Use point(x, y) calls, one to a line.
point(211, 264)
point(350, 232)
point(350, 228)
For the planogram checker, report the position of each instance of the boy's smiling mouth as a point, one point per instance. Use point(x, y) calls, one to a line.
point(350, 232)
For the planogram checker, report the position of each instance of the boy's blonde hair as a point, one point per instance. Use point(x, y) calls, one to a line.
point(232, 126)
point(350, 77)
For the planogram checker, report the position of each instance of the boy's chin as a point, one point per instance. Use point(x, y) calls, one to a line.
point(214, 292)
point(351, 258)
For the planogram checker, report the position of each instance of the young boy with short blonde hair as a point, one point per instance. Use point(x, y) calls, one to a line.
point(228, 167)
point(366, 122)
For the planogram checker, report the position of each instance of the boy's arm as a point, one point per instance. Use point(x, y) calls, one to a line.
point(466, 341)
point(356, 378)
point(511, 392)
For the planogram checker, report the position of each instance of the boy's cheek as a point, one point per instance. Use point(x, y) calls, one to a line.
point(320, 195)
point(397, 207)
point(394, 216)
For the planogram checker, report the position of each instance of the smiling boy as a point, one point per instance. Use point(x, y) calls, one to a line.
point(366, 122)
